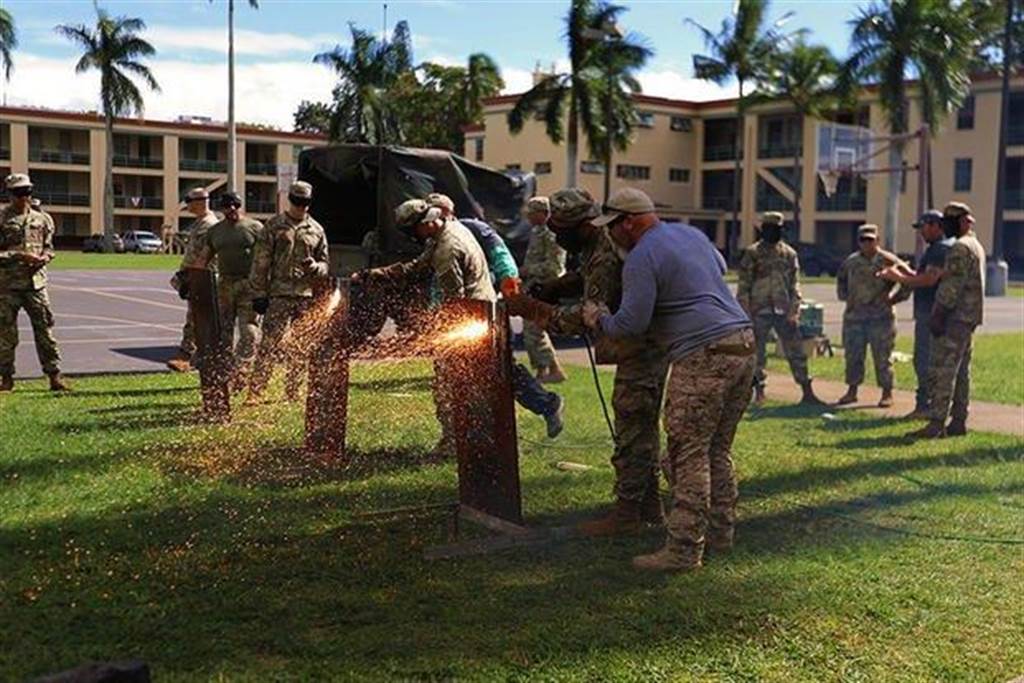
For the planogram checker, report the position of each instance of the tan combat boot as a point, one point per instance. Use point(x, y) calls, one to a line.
point(666, 560)
point(57, 383)
point(623, 519)
point(7, 383)
point(886, 400)
point(181, 362)
point(956, 428)
point(935, 429)
point(849, 397)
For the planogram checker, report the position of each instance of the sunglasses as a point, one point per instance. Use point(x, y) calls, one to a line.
point(299, 201)
point(22, 192)
point(866, 239)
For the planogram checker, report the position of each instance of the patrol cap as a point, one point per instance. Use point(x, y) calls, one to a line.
point(230, 199)
point(956, 210)
point(301, 189)
point(196, 194)
point(538, 205)
point(868, 230)
point(628, 201)
point(772, 218)
point(412, 212)
point(572, 206)
point(930, 216)
point(442, 201)
point(16, 180)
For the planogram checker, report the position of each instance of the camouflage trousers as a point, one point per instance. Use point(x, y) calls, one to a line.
point(37, 306)
point(880, 334)
point(234, 301)
point(636, 401)
point(539, 348)
point(275, 347)
point(708, 391)
point(188, 344)
point(789, 337)
point(949, 373)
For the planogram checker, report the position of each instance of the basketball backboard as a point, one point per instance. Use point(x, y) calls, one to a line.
point(842, 149)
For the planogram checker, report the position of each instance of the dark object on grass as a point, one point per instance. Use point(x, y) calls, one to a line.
point(134, 671)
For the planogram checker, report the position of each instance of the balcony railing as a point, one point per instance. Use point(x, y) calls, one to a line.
point(725, 152)
point(260, 206)
point(842, 202)
point(125, 161)
point(204, 165)
point(260, 169)
point(721, 202)
point(1013, 199)
point(780, 150)
point(49, 198)
point(129, 202)
point(1015, 134)
point(56, 156)
point(773, 202)
point(5, 153)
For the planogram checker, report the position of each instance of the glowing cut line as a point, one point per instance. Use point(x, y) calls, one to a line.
point(466, 332)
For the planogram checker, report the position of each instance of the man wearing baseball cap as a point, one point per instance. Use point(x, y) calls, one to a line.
point(544, 261)
point(923, 282)
point(673, 288)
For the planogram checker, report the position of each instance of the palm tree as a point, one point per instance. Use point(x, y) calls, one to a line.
point(366, 70)
point(114, 48)
point(741, 49)
point(804, 76)
point(8, 41)
point(581, 86)
point(481, 78)
point(934, 40)
point(232, 132)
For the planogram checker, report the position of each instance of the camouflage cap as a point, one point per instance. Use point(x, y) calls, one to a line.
point(230, 199)
point(956, 210)
point(300, 188)
point(16, 180)
point(412, 212)
point(772, 218)
point(572, 206)
point(539, 205)
point(197, 194)
point(441, 201)
point(868, 230)
point(930, 216)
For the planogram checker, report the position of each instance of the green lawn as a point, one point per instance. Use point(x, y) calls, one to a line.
point(996, 373)
point(76, 260)
point(220, 553)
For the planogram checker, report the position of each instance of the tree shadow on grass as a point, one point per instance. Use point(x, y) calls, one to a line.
point(787, 412)
point(393, 384)
point(91, 393)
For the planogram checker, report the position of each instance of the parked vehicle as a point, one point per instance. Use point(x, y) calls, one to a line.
point(817, 259)
point(94, 243)
point(142, 242)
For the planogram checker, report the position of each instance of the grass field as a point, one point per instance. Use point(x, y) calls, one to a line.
point(76, 260)
point(995, 370)
point(221, 553)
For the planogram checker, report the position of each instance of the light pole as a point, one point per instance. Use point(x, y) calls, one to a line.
point(996, 268)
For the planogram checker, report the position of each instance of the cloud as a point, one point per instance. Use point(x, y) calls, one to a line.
point(674, 85)
point(247, 42)
point(266, 92)
point(516, 80)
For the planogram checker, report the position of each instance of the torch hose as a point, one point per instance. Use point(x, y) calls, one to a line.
point(597, 385)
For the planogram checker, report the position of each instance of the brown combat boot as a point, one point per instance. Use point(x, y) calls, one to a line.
point(651, 511)
point(7, 383)
point(666, 560)
point(623, 519)
point(809, 399)
point(935, 429)
point(57, 383)
point(957, 428)
point(886, 400)
point(181, 362)
point(849, 397)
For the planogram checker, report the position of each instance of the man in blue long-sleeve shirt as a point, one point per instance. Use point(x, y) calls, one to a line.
point(673, 288)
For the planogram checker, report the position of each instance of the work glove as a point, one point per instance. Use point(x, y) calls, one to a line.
point(937, 321)
point(511, 286)
point(545, 291)
point(528, 308)
point(260, 304)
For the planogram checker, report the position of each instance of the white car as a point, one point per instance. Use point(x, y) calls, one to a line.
point(142, 242)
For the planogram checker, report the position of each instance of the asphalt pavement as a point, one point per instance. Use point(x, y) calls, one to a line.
point(130, 321)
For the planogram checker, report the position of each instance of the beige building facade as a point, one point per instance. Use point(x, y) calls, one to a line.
point(155, 163)
point(683, 155)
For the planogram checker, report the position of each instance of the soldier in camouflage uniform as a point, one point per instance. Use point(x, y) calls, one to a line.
point(958, 310)
point(869, 317)
point(641, 366)
point(544, 261)
point(769, 291)
point(289, 256)
point(231, 242)
point(197, 202)
point(26, 246)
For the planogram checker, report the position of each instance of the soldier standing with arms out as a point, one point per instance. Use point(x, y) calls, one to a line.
point(924, 282)
point(289, 256)
point(197, 202)
point(641, 366)
point(769, 291)
point(544, 261)
point(869, 318)
point(26, 246)
point(958, 310)
point(231, 242)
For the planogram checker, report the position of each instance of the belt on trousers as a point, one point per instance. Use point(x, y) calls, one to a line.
point(744, 348)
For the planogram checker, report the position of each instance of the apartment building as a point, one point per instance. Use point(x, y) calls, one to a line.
point(684, 152)
point(155, 163)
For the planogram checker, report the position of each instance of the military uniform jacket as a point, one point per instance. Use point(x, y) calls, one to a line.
point(866, 296)
point(24, 233)
point(544, 259)
point(232, 243)
point(601, 269)
point(962, 288)
point(769, 279)
point(196, 240)
point(284, 244)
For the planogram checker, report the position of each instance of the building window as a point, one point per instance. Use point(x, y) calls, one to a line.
point(679, 175)
point(645, 119)
point(513, 167)
point(965, 115)
point(593, 167)
point(681, 123)
point(631, 172)
point(478, 149)
point(542, 167)
point(211, 151)
point(962, 175)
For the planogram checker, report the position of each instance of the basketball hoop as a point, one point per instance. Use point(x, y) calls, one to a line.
point(829, 180)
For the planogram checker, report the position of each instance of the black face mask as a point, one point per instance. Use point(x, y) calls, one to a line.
point(951, 226)
point(771, 233)
point(569, 240)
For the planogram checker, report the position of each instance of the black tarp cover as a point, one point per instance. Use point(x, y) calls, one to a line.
point(357, 187)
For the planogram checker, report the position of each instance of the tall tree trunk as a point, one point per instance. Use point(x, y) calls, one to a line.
point(892, 204)
point(232, 133)
point(731, 238)
point(108, 186)
point(572, 141)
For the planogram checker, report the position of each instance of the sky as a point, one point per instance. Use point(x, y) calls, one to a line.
point(275, 45)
